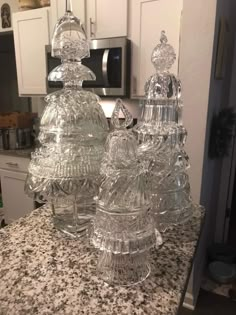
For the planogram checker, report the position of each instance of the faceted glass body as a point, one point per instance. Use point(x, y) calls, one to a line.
point(123, 228)
point(161, 138)
point(64, 169)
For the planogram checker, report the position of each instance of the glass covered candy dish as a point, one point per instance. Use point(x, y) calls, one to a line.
point(64, 169)
point(162, 136)
point(123, 228)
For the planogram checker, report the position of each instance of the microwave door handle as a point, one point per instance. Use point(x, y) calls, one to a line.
point(105, 66)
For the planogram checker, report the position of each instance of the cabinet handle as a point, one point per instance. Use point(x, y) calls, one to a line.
point(91, 27)
point(134, 85)
point(104, 66)
point(12, 164)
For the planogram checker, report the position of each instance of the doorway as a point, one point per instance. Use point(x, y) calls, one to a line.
point(9, 97)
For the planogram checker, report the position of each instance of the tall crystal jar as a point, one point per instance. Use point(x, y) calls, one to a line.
point(162, 137)
point(123, 228)
point(64, 170)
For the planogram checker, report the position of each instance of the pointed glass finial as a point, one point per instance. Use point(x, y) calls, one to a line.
point(163, 55)
point(115, 121)
point(121, 146)
point(163, 85)
point(163, 38)
point(69, 41)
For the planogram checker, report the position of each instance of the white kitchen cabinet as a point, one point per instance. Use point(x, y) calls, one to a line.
point(106, 18)
point(13, 174)
point(58, 10)
point(147, 18)
point(31, 34)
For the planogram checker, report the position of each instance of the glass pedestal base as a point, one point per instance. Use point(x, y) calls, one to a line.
point(124, 270)
point(73, 219)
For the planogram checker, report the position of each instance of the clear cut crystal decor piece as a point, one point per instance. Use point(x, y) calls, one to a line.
point(123, 227)
point(161, 138)
point(125, 186)
point(64, 169)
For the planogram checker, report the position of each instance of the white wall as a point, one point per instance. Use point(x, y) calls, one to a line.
point(196, 49)
point(202, 96)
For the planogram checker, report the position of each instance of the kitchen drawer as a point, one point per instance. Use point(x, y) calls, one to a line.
point(13, 163)
point(12, 184)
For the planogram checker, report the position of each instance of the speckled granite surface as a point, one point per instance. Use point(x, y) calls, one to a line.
point(41, 272)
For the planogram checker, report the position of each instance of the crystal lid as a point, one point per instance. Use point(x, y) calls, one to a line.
point(163, 55)
point(69, 40)
point(121, 146)
point(128, 119)
point(163, 84)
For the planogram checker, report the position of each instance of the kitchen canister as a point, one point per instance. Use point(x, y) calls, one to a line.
point(44, 3)
point(28, 4)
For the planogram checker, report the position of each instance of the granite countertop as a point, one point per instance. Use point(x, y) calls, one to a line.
point(25, 153)
point(42, 272)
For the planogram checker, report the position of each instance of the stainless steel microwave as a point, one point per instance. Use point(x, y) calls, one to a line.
point(109, 60)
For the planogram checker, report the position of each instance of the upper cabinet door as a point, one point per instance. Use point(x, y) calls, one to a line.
point(58, 8)
point(147, 19)
point(31, 34)
point(106, 18)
